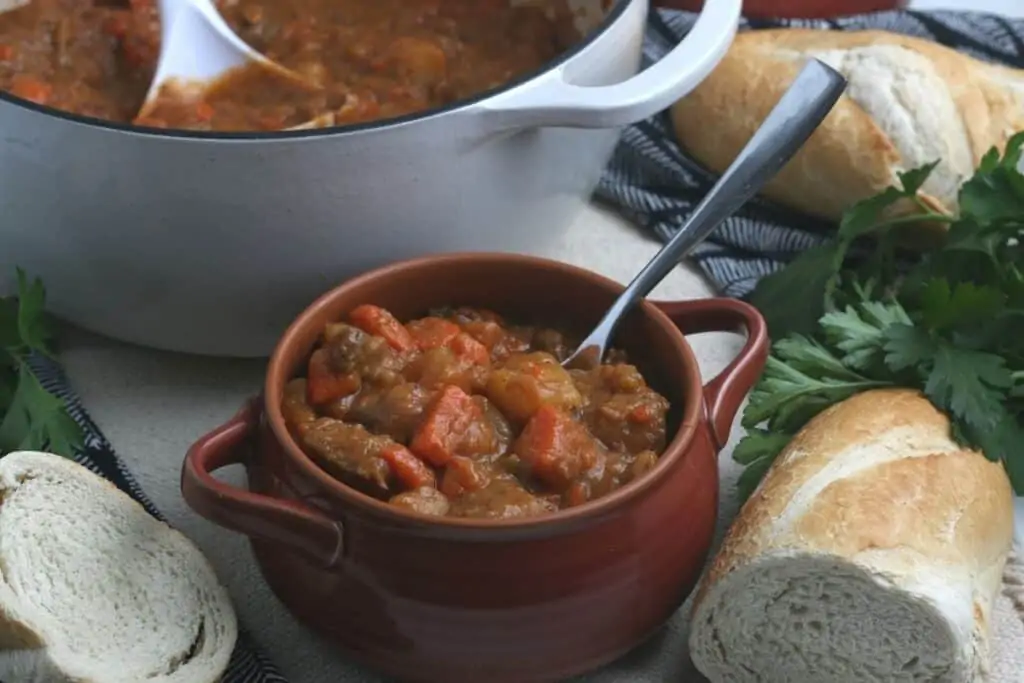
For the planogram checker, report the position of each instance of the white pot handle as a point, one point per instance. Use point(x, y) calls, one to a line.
point(554, 102)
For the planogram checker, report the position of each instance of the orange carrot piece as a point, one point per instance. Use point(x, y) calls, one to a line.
point(451, 417)
point(556, 448)
point(411, 472)
point(323, 385)
point(204, 111)
point(488, 333)
point(641, 414)
point(380, 323)
point(465, 346)
point(432, 333)
point(31, 89)
point(116, 25)
point(577, 494)
point(7, 52)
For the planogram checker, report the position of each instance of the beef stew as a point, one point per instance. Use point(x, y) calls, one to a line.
point(460, 413)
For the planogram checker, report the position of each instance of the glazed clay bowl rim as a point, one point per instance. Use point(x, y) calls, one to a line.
point(279, 372)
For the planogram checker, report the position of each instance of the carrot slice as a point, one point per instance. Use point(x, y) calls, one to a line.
point(204, 111)
point(31, 89)
point(380, 323)
point(469, 348)
point(323, 385)
point(432, 333)
point(411, 472)
point(454, 425)
point(641, 414)
point(556, 448)
point(116, 25)
point(577, 494)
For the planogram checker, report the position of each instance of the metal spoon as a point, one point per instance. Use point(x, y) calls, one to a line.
point(798, 113)
point(197, 47)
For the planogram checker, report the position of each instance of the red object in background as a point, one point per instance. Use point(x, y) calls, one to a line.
point(795, 8)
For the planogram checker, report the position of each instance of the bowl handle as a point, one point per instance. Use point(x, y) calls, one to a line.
point(299, 526)
point(552, 101)
point(726, 391)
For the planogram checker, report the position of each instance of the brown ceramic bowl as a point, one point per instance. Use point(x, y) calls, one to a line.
point(461, 600)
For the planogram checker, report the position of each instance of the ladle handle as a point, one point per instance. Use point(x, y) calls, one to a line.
point(798, 113)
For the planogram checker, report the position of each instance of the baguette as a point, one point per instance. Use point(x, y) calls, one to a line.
point(909, 102)
point(95, 590)
point(872, 551)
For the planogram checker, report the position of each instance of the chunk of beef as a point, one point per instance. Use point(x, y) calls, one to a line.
point(425, 500)
point(502, 498)
point(395, 411)
point(620, 409)
point(372, 463)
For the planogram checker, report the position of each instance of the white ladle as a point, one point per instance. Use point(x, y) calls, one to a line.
point(197, 47)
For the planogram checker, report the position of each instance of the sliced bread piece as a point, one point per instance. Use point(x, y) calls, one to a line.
point(95, 590)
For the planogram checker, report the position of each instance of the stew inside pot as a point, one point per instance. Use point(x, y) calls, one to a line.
point(462, 414)
point(362, 59)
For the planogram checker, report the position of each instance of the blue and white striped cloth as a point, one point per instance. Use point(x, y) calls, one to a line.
point(655, 184)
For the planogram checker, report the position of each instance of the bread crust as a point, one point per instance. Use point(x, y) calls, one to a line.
point(850, 157)
point(876, 483)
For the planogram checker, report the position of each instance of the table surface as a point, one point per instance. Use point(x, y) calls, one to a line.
point(152, 405)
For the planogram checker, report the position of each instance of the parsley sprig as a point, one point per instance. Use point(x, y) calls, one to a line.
point(948, 320)
point(31, 418)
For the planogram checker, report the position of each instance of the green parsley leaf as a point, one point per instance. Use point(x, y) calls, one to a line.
point(36, 420)
point(752, 475)
point(31, 418)
point(756, 451)
point(906, 347)
point(809, 356)
point(969, 385)
point(950, 325)
point(786, 398)
point(996, 192)
point(868, 216)
point(962, 305)
point(757, 444)
point(859, 331)
point(792, 299)
point(33, 325)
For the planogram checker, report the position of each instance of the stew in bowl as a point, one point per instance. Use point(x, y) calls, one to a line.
point(425, 596)
point(463, 414)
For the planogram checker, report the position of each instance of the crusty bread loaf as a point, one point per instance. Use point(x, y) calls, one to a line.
point(95, 590)
point(872, 551)
point(909, 102)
